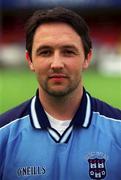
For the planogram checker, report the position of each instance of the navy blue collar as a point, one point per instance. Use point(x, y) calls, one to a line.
point(82, 117)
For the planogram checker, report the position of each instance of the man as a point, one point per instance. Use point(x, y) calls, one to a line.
point(62, 133)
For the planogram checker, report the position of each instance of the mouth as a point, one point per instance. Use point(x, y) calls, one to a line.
point(58, 77)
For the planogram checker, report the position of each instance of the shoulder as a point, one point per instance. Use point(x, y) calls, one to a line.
point(106, 120)
point(15, 113)
point(105, 109)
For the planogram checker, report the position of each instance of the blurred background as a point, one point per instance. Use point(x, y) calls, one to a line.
point(103, 80)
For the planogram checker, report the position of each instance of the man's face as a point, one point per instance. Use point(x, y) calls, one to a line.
point(58, 59)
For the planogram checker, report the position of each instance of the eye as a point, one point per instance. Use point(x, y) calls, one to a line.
point(44, 53)
point(69, 52)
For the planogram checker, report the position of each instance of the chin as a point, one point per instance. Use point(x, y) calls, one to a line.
point(57, 92)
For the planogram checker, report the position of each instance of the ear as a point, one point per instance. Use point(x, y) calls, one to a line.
point(87, 60)
point(30, 63)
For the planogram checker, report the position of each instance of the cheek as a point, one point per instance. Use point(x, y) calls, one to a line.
point(76, 71)
point(41, 71)
point(77, 66)
point(38, 65)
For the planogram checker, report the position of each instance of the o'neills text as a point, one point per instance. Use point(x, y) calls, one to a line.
point(30, 171)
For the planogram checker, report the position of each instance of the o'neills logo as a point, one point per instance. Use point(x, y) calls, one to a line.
point(31, 171)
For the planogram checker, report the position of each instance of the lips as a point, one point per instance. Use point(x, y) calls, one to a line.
point(58, 77)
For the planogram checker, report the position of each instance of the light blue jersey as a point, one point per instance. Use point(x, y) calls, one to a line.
point(89, 149)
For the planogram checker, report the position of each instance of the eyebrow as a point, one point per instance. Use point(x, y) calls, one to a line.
point(42, 47)
point(69, 46)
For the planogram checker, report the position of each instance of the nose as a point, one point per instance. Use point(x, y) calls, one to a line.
point(57, 61)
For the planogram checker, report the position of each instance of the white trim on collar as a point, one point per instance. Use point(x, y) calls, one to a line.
point(34, 115)
point(36, 121)
point(88, 112)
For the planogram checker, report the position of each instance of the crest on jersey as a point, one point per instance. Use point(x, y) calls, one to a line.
point(97, 168)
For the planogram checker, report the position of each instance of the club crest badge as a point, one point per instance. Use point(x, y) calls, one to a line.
point(97, 168)
point(97, 165)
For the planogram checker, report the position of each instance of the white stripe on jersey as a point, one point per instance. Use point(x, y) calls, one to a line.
point(88, 111)
point(112, 119)
point(14, 121)
point(34, 115)
point(54, 134)
point(66, 135)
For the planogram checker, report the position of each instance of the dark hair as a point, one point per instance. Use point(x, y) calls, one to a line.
point(57, 14)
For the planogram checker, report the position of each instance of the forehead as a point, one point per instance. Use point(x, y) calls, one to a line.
point(56, 33)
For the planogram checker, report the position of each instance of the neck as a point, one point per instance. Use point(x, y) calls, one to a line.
point(62, 108)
